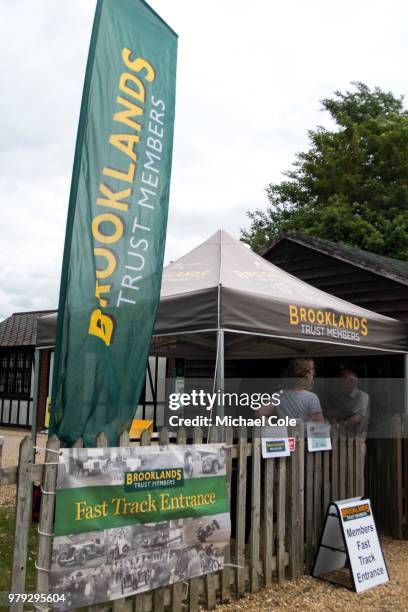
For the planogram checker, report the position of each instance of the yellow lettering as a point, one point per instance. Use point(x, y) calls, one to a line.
point(111, 261)
point(164, 501)
point(138, 64)
point(101, 289)
point(113, 197)
point(139, 93)
point(125, 143)
point(102, 326)
point(80, 509)
point(124, 116)
point(117, 503)
point(122, 176)
point(364, 327)
point(311, 315)
point(293, 315)
point(105, 238)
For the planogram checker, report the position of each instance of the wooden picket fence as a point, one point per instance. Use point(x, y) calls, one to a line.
point(277, 508)
point(387, 476)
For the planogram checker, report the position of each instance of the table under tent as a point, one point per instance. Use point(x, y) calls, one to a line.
point(221, 301)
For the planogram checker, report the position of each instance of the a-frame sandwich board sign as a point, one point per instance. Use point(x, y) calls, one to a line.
point(349, 538)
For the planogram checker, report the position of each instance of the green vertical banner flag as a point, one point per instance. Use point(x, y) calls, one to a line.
point(116, 227)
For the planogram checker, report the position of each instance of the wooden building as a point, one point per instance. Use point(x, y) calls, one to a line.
point(18, 335)
point(17, 346)
point(363, 278)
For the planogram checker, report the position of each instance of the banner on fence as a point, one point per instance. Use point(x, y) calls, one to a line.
point(116, 226)
point(275, 442)
point(132, 519)
point(350, 538)
point(318, 436)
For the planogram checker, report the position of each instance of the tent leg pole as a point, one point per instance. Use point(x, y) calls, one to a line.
point(220, 380)
point(34, 415)
point(406, 383)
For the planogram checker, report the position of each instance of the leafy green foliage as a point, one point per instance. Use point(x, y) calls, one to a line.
point(351, 186)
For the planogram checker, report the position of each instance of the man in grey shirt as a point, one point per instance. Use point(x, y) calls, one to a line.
point(354, 402)
point(300, 404)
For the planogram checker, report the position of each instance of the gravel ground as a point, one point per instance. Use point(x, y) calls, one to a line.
point(12, 439)
point(307, 593)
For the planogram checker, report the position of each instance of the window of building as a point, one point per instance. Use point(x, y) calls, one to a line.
point(15, 372)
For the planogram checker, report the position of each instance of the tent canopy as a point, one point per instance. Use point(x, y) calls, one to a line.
point(264, 311)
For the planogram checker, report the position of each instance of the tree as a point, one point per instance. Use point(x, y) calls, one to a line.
point(351, 186)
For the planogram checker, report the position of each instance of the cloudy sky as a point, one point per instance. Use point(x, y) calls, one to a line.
point(250, 77)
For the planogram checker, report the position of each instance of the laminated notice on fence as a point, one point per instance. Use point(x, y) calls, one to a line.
point(136, 518)
point(275, 442)
point(318, 436)
point(350, 537)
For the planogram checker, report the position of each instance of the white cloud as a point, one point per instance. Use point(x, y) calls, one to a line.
point(250, 77)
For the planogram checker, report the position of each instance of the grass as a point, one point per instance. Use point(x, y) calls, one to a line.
point(6, 550)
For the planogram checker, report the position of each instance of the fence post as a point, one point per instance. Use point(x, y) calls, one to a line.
point(123, 604)
point(241, 507)
point(140, 600)
point(193, 591)
point(268, 548)
point(46, 522)
point(335, 463)
point(226, 572)
point(342, 462)
point(22, 519)
point(281, 519)
point(350, 463)
point(359, 465)
point(296, 503)
point(317, 494)
point(210, 589)
point(255, 511)
point(101, 442)
point(398, 478)
point(177, 588)
point(326, 480)
point(309, 487)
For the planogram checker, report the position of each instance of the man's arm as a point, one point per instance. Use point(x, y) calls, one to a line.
point(266, 410)
point(315, 410)
point(360, 411)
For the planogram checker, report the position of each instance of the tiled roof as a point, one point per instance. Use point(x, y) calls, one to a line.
point(385, 266)
point(20, 329)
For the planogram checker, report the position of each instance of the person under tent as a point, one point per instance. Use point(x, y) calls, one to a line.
point(297, 401)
